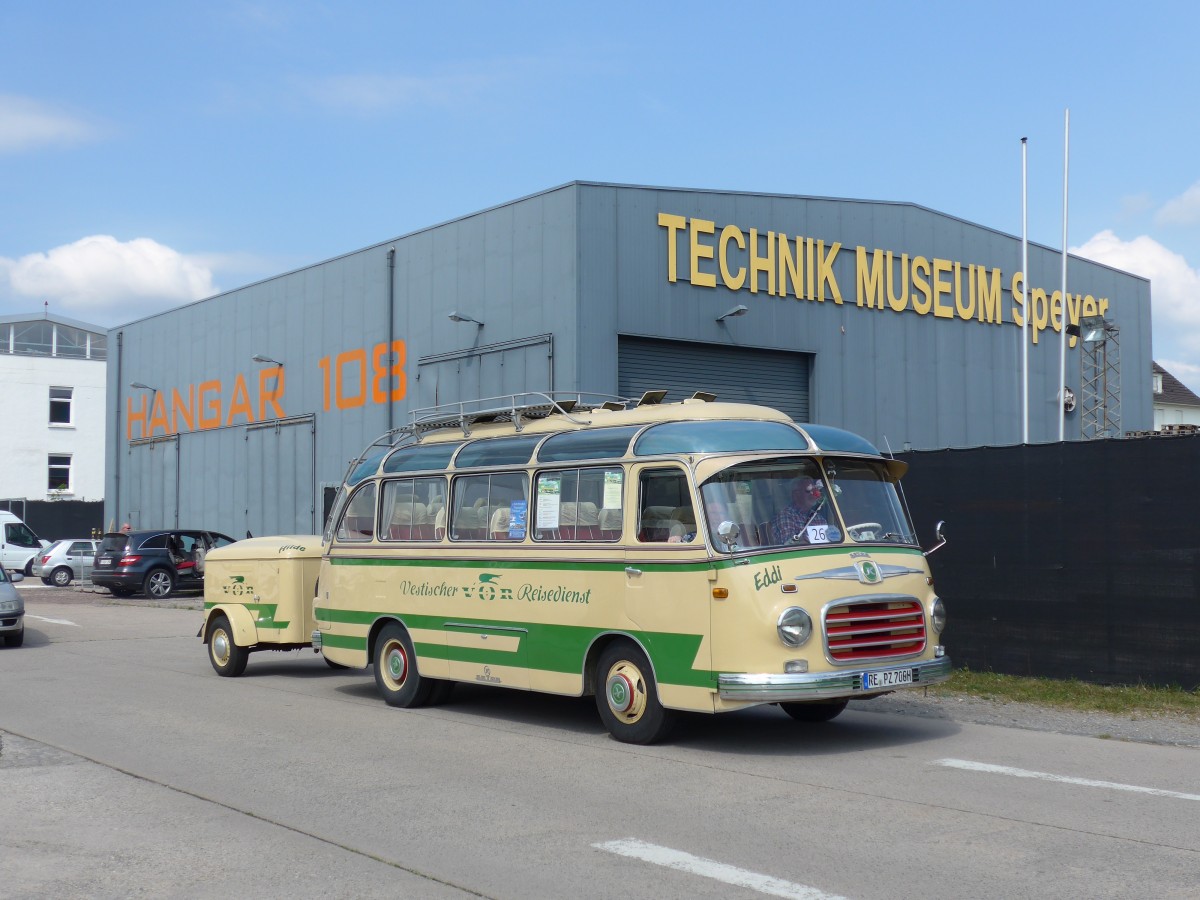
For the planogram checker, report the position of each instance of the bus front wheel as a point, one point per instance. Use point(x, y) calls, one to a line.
point(396, 672)
point(627, 697)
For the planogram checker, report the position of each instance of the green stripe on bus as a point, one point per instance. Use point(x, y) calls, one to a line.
point(347, 642)
point(546, 648)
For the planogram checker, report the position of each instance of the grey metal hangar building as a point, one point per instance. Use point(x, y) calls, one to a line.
point(240, 412)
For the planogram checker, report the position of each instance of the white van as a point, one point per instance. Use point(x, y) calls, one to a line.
point(18, 544)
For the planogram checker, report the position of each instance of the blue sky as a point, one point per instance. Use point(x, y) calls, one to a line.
point(155, 153)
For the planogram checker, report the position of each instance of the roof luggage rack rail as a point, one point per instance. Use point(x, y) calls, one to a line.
point(515, 408)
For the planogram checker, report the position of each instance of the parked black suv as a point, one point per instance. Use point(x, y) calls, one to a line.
point(158, 563)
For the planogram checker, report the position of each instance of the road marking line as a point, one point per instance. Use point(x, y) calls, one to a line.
point(1061, 779)
point(708, 868)
point(51, 621)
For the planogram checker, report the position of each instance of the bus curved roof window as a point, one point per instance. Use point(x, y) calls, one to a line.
point(719, 437)
point(601, 443)
point(511, 451)
point(420, 458)
point(366, 468)
point(835, 440)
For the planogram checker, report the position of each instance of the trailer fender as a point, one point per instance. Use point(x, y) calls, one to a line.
point(241, 620)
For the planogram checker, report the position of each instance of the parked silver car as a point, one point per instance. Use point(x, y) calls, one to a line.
point(12, 610)
point(64, 561)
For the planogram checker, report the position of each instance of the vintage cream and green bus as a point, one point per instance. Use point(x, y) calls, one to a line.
point(695, 555)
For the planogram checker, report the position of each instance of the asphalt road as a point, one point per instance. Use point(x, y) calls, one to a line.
point(128, 768)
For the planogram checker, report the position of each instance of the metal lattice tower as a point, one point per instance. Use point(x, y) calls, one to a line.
point(1100, 381)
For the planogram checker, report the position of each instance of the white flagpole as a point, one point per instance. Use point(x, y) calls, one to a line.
point(1062, 351)
point(1024, 292)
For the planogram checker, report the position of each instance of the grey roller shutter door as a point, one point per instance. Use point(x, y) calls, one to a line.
point(772, 378)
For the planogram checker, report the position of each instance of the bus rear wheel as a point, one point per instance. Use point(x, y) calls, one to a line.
point(627, 697)
point(814, 712)
point(396, 673)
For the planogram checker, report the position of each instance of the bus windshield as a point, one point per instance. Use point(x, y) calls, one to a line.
point(786, 502)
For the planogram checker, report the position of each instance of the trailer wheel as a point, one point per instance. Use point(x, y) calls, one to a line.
point(396, 672)
point(627, 697)
point(814, 712)
point(226, 656)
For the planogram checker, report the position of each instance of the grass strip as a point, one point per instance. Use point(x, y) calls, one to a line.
point(1073, 694)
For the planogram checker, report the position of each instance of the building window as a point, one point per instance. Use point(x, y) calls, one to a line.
point(60, 472)
point(1157, 383)
point(60, 405)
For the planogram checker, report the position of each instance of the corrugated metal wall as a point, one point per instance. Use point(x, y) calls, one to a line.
point(734, 374)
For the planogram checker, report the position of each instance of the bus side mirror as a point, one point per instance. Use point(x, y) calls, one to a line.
point(729, 533)
point(939, 537)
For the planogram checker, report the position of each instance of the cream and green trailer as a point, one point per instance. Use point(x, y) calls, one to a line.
point(258, 596)
point(639, 551)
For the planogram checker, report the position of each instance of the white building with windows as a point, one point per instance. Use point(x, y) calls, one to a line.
point(53, 374)
point(1175, 404)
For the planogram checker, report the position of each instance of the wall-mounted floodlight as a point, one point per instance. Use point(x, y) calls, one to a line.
point(261, 358)
point(459, 317)
point(738, 310)
point(143, 387)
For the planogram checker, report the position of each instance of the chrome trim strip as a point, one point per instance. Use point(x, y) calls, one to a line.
point(770, 688)
point(489, 628)
point(850, 573)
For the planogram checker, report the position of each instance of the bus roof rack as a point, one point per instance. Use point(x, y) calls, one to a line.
point(515, 408)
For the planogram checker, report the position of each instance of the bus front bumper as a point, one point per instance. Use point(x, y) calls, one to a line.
point(868, 682)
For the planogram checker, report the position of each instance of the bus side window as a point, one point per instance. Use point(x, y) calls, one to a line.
point(579, 504)
point(483, 505)
point(358, 522)
point(665, 510)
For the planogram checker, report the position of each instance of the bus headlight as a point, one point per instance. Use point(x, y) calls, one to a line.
point(795, 626)
point(937, 615)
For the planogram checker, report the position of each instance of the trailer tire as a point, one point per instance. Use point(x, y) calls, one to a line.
point(227, 658)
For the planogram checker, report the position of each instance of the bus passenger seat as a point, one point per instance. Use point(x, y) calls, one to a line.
point(589, 521)
point(568, 521)
point(610, 524)
point(498, 529)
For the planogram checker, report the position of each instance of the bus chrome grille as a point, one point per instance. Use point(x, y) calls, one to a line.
point(876, 629)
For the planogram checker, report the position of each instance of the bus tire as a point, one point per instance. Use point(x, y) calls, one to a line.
point(814, 712)
point(396, 673)
point(627, 697)
point(227, 658)
point(442, 689)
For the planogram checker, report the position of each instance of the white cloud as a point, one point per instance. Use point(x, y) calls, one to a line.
point(25, 124)
point(1174, 285)
point(1181, 210)
point(100, 279)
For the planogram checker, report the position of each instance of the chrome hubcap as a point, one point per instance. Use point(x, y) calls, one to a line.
point(220, 647)
point(396, 663)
